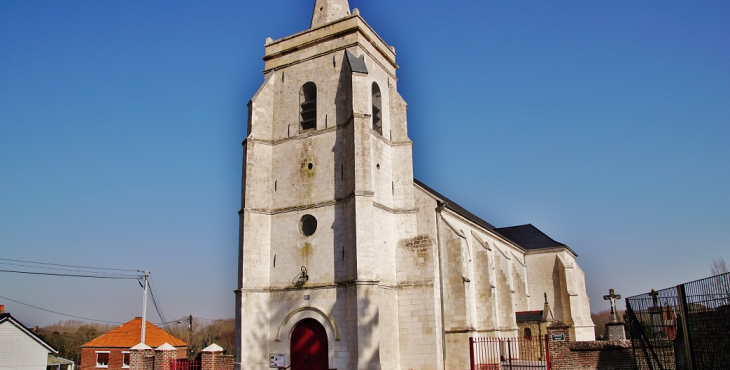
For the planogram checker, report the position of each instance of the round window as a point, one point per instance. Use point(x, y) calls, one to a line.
point(308, 225)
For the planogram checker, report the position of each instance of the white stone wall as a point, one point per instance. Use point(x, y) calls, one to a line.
point(419, 296)
point(381, 251)
point(556, 273)
point(341, 173)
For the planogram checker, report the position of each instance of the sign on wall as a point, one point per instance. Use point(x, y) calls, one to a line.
point(276, 360)
point(558, 337)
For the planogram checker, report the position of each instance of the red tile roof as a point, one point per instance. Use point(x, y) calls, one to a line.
point(128, 335)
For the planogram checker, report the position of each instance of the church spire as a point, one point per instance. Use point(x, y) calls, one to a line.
point(326, 11)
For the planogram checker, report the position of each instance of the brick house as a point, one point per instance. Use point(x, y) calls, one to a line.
point(112, 350)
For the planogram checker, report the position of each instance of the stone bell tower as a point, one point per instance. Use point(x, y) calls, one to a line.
point(326, 11)
point(327, 193)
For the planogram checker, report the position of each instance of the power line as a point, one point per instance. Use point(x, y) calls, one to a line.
point(56, 264)
point(122, 277)
point(59, 313)
point(202, 318)
point(61, 269)
point(165, 324)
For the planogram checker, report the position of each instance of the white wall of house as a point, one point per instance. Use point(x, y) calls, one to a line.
point(18, 351)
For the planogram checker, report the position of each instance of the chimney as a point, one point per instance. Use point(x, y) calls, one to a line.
point(2, 308)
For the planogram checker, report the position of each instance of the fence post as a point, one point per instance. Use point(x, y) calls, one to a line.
point(471, 352)
point(646, 342)
point(547, 351)
point(629, 316)
point(687, 337)
point(509, 353)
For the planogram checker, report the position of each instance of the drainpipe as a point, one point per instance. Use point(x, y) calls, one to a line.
point(439, 207)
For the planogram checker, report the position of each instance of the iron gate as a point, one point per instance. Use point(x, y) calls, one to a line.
point(686, 327)
point(509, 353)
point(184, 364)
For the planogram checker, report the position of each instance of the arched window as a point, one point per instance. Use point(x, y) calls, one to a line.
point(528, 333)
point(308, 107)
point(377, 109)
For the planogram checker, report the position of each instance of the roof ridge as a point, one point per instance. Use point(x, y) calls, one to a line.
point(546, 235)
point(450, 204)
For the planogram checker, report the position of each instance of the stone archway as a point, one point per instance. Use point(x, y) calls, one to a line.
point(309, 348)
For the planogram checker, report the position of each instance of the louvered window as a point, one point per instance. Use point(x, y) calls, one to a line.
point(308, 107)
point(377, 109)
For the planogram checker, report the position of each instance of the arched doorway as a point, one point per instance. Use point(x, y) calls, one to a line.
point(309, 346)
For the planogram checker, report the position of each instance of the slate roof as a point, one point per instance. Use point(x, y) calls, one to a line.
point(128, 335)
point(356, 64)
point(530, 237)
point(527, 316)
point(450, 204)
point(526, 236)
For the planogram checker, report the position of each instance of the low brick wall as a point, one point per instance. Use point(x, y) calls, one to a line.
point(598, 355)
point(149, 359)
point(142, 359)
point(215, 361)
point(224, 362)
point(163, 358)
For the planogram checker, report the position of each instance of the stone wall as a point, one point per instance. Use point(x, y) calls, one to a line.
point(396, 284)
point(596, 355)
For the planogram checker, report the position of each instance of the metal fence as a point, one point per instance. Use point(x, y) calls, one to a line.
point(508, 353)
point(686, 327)
point(184, 364)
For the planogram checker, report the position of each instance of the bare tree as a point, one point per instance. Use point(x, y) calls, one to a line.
point(718, 266)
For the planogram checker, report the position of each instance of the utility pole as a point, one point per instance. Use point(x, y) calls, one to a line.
point(145, 275)
point(190, 330)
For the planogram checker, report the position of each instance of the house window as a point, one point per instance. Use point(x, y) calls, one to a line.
point(528, 333)
point(308, 107)
point(102, 359)
point(125, 359)
point(377, 109)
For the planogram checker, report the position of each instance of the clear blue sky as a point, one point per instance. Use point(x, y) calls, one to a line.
point(604, 124)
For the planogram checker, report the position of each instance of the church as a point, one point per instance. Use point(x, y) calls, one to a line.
point(345, 260)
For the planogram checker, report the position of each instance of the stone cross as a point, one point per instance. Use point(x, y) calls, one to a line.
point(612, 297)
point(654, 294)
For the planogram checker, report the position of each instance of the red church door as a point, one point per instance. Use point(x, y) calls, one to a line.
point(309, 346)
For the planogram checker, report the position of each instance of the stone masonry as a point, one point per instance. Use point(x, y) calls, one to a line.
point(335, 230)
